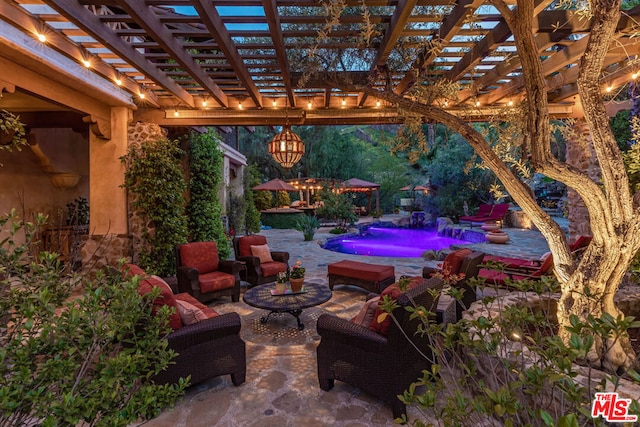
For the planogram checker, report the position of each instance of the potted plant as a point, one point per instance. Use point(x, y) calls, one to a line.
point(12, 130)
point(281, 283)
point(296, 277)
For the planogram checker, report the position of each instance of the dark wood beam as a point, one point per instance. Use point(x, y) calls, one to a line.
point(275, 28)
point(449, 27)
point(212, 20)
point(91, 24)
point(401, 14)
point(20, 18)
point(147, 19)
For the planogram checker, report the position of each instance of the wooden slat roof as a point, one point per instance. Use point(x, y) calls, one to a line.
point(237, 62)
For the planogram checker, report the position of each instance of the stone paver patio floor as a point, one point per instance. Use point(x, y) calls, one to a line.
point(282, 387)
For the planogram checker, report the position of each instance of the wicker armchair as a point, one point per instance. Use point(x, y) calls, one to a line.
point(469, 266)
point(382, 366)
point(207, 349)
point(259, 272)
point(202, 274)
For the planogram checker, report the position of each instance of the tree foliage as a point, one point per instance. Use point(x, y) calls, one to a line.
point(615, 218)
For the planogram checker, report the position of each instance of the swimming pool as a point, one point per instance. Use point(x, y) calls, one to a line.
point(391, 242)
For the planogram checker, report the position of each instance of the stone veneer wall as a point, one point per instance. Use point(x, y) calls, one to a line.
point(140, 133)
point(101, 250)
point(580, 154)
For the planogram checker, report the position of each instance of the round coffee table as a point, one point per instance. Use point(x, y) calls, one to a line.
point(260, 297)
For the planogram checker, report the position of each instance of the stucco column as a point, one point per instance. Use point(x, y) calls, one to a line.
point(107, 200)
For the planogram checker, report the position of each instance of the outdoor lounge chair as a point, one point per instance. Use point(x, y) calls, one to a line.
point(497, 214)
point(517, 273)
point(206, 349)
point(462, 261)
point(259, 270)
point(515, 263)
point(204, 275)
point(383, 366)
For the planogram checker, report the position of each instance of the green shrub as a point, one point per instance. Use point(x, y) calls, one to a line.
point(155, 180)
point(308, 224)
point(281, 221)
point(263, 199)
point(337, 207)
point(85, 360)
point(507, 366)
point(252, 214)
point(236, 213)
point(205, 180)
point(282, 199)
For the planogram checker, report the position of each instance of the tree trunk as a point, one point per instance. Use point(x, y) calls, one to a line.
point(614, 219)
point(600, 272)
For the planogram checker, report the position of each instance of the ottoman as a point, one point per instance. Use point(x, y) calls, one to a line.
point(368, 276)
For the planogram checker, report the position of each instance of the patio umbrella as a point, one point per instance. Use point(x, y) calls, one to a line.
point(275, 185)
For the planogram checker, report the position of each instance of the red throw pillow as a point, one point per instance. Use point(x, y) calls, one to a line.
point(453, 261)
point(245, 243)
point(166, 297)
point(381, 324)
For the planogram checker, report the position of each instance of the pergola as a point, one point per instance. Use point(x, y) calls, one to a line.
point(234, 62)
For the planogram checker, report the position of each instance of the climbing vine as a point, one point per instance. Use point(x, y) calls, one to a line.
point(156, 184)
point(205, 179)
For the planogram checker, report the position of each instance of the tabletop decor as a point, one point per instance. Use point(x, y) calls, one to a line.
point(296, 276)
point(281, 283)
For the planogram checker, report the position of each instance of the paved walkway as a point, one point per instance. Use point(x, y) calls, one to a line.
point(282, 387)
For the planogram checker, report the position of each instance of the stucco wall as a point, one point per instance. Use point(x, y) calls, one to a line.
point(22, 179)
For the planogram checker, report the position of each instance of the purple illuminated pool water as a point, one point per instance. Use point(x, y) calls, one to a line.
point(391, 242)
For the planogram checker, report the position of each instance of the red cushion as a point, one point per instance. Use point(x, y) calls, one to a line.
point(215, 281)
point(453, 261)
point(133, 270)
point(581, 242)
point(393, 291)
point(272, 268)
point(360, 270)
point(208, 311)
point(510, 262)
point(245, 243)
point(202, 256)
point(547, 264)
point(166, 297)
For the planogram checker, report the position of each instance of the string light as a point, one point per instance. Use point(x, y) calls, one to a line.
point(310, 105)
point(86, 63)
point(176, 113)
point(141, 95)
point(240, 105)
point(609, 89)
point(275, 103)
point(477, 103)
point(204, 102)
point(344, 102)
point(41, 37)
point(378, 104)
point(510, 103)
point(118, 81)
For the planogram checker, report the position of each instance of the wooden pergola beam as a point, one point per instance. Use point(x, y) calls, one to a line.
point(212, 20)
point(144, 17)
point(273, 20)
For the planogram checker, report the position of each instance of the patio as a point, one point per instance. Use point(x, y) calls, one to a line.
point(282, 386)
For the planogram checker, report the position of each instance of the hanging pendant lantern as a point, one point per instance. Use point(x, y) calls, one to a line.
point(286, 148)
